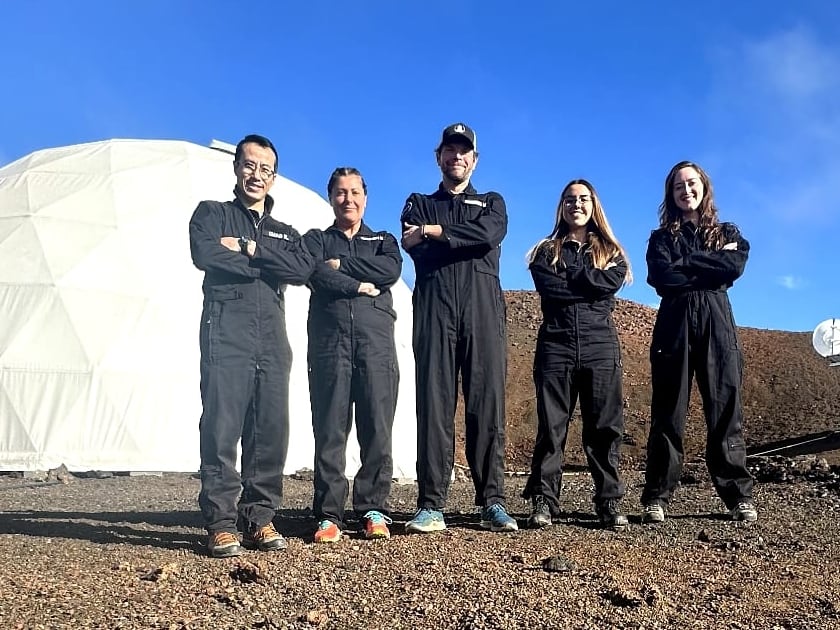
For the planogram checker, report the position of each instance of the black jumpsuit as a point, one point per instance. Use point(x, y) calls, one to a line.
point(352, 365)
point(695, 334)
point(245, 361)
point(578, 355)
point(459, 327)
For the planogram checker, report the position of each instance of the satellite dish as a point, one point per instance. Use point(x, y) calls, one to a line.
point(826, 340)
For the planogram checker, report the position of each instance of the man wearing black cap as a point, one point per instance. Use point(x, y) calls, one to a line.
point(454, 237)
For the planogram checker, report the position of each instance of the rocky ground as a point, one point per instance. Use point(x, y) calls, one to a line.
point(127, 552)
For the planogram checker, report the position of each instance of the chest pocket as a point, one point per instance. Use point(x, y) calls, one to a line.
point(367, 246)
point(471, 208)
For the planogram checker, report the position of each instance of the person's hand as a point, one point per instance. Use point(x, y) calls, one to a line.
point(731, 246)
point(367, 288)
point(333, 263)
point(231, 243)
point(412, 235)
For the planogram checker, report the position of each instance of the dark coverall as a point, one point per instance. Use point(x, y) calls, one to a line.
point(245, 361)
point(352, 363)
point(459, 326)
point(695, 334)
point(578, 355)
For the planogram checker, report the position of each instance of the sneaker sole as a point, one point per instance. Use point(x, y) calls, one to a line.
point(273, 546)
point(537, 524)
point(377, 536)
point(751, 518)
point(428, 529)
point(227, 552)
point(511, 527)
point(327, 541)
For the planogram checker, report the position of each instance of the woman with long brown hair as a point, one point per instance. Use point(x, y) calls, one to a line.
point(577, 270)
point(692, 260)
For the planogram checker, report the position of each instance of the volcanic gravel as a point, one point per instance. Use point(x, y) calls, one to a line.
point(128, 552)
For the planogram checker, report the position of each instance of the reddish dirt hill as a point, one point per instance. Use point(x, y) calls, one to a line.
point(788, 389)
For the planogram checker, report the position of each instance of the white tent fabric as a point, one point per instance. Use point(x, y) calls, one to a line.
point(100, 306)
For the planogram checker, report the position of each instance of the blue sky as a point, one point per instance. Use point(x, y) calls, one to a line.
point(614, 92)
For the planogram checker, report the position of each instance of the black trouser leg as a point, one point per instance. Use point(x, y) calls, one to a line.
point(670, 389)
point(375, 392)
point(330, 400)
point(226, 393)
point(483, 349)
point(265, 442)
point(555, 402)
point(436, 390)
point(720, 387)
point(602, 413)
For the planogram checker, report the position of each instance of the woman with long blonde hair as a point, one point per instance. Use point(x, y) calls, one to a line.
point(577, 271)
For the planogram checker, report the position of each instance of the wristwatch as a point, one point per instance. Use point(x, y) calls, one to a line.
point(243, 244)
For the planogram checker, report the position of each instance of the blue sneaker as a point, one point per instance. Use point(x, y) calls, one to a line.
point(426, 521)
point(496, 519)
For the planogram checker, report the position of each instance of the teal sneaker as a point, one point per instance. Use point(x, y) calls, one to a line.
point(496, 519)
point(426, 521)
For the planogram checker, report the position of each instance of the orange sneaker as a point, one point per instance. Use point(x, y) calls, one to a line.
point(376, 525)
point(266, 538)
point(223, 545)
point(328, 532)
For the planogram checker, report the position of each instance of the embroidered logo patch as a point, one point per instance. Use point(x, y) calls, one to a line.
point(280, 235)
point(475, 202)
point(405, 211)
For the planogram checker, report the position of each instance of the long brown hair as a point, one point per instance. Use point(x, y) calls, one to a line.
point(603, 243)
point(670, 215)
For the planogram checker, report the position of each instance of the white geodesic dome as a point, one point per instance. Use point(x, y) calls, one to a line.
point(100, 306)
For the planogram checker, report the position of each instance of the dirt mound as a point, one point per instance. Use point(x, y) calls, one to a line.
point(788, 389)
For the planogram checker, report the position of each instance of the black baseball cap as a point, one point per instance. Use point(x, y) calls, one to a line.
point(458, 132)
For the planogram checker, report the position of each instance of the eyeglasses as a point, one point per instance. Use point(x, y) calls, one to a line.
point(571, 202)
point(249, 168)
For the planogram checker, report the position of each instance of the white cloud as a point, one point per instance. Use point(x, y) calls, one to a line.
point(791, 283)
point(775, 105)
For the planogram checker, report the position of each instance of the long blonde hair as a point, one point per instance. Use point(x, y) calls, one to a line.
point(599, 235)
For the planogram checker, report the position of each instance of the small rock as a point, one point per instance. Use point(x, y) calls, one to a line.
point(557, 564)
point(161, 573)
point(60, 474)
point(247, 572)
point(621, 598)
point(316, 617)
point(304, 474)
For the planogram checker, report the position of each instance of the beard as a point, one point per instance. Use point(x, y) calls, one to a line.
point(456, 176)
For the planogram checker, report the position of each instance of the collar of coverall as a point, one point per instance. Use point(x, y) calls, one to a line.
point(269, 202)
point(469, 190)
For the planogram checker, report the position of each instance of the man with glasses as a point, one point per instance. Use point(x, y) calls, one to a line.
point(248, 257)
point(454, 237)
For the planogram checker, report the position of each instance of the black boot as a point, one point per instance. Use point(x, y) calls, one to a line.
point(540, 512)
point(610, 516)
